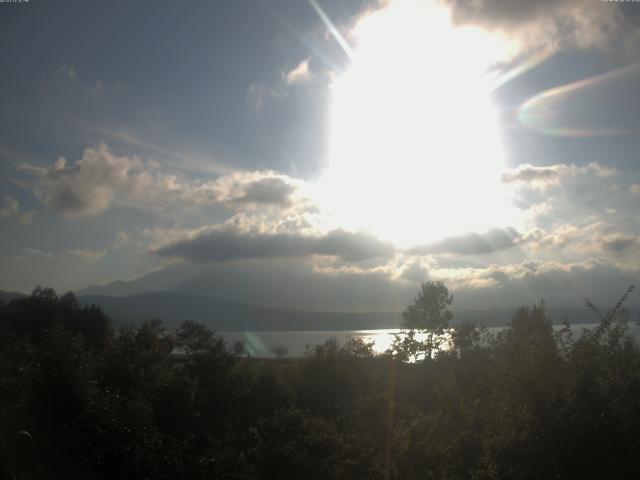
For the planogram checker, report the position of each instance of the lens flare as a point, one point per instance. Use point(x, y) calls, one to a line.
point(499, 79)
point(332, 28)
point(606, 104)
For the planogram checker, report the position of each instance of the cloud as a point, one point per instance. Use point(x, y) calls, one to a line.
point(267, 191)
point(94, 182)
point(11, 211)
point(548, 23)
point(298, 283)
point(258, 93)
point(245, 189)
point(221, 244)
point(82, 255)
point(559, 283)
point(415, 272)
point(69, 71)
point(352, 247)
point(635, 189)
point(101, 179)
point(181, 160)
point(621, 243)
point(67, 75)
point(35, 252)
point(472, 243)
point(255, 96)
point(507, 13)
point(593, 239)
point(560, 195)
point(543, 177)
point(298, 74)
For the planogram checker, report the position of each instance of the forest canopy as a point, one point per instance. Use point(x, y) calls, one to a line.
point(81, 399)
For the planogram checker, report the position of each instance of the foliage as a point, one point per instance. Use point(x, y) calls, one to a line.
point(424, 323)
point(529, 402)
point(430, 310)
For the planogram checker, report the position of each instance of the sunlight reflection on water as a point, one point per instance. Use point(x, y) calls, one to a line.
point(261, 344)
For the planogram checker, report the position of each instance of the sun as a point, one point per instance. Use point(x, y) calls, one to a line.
point(415, 148)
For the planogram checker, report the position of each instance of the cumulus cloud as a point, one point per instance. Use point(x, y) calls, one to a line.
point(94, 182)
point(543, 177)
point(559, 283)
point(101, 179)
point(258, 94)
point(267, 191)
point(245, 189)
point(496, 275)
point(352, 247)
point(11, 211)
point(594, 239)
point(548, 23)
point(560, 195)
point(415, 272)
point(621, 243)
point(472, 243)
point(568, 238)
point(221, 243)
point(298, 74)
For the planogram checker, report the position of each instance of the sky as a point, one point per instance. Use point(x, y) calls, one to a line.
point(322, 154)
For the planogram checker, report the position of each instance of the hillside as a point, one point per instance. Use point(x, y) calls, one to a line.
point(6, 297)
point(220, 314)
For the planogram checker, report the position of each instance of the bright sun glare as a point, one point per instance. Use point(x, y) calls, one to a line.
point(415, 150)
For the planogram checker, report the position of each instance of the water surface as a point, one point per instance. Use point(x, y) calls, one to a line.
point(261, 344)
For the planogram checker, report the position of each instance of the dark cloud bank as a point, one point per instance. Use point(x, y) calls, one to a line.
point(221, 245)
point(472, 244)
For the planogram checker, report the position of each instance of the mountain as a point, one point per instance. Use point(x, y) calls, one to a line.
point(6, 297)
point(290, 296)
point(165, 279)
point(279, 284)
point(225, 315)
point(218, 314)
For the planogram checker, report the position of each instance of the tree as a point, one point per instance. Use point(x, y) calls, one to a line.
point(280, 351)
point(528, 322)
point(39, 313)
point(430, 309)
point(195, 338)
point(427, 318)
point(239, 348)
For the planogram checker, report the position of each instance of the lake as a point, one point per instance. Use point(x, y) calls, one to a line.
point(261, 344)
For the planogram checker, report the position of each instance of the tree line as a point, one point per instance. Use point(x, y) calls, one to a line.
point(81, 399)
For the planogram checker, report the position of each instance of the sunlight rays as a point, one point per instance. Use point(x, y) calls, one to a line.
point(335, 33)
point(415, 149)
